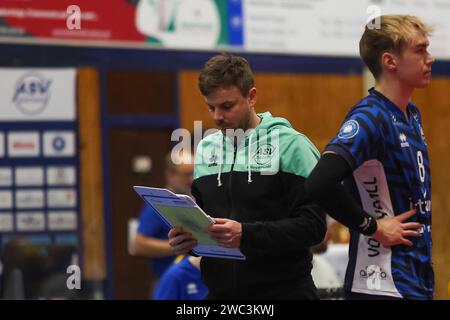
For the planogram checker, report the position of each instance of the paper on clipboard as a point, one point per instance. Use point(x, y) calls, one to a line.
point(181, 210)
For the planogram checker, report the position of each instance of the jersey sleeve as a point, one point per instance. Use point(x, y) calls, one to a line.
point(298, 155)
point(360, 137)
point(168, 287)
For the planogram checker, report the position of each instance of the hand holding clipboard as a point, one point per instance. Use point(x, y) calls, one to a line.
point(182, 211)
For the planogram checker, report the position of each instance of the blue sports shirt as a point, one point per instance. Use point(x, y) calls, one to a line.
point(151, 225)
point(388, 153)
point(182, 281)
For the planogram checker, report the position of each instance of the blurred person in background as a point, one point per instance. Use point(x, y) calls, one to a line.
point(151, 237)
point(182, 281)
point(324, 273)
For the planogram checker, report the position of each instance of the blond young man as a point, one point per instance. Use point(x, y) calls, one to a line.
point(380, 154)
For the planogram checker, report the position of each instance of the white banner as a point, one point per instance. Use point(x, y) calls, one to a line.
point(5, 177)
point(62, 220)
point(330, 27)
point(29, 176)
point(62, 198)
point(59, 144)
point(61, 175)
point(30, 221)
point(29, 199)
point(5, 199)
point(37, 94)
point(6, 222)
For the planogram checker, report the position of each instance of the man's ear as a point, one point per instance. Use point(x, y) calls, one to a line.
point(389, 61)
point(252, 97)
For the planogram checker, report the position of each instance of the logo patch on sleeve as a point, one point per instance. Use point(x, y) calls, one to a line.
point(349, 129)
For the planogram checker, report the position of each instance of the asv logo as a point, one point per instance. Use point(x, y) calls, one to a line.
point(32, 93)
point(30, 222)
point(264, 154)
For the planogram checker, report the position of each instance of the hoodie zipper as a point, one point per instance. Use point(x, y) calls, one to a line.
point(230, 199)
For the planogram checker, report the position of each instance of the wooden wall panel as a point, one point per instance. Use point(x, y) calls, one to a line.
point(434, 103)
point(140, 92)
point(192, 104)
point(314, 104)
point(91, 175)
point(132, 275)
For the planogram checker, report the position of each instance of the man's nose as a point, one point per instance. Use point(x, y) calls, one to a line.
point(218, 115)
point(431, 59)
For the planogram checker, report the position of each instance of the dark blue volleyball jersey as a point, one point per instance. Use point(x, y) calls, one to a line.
point(388, 153)
point(182, 281)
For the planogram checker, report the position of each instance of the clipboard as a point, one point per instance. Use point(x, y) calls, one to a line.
point(175, 209)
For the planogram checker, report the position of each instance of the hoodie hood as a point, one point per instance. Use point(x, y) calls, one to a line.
point(264, 128)
point(269, 122)
point(258, 152)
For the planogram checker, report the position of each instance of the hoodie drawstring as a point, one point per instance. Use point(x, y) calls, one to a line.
point(249, 158)
point(219, 181)
point(249, 170)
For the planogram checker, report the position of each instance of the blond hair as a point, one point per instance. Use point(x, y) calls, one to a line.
point(394, 33)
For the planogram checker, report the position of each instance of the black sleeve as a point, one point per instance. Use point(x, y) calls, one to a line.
point(196, 194)
point(303, 227)
point(324, 186)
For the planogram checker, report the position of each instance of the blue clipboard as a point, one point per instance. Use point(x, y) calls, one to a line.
point(175, 209)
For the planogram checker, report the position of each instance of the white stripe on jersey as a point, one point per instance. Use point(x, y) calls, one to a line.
point(373, 273)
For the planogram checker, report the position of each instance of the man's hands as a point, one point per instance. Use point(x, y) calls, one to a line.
point(181, 241)
point(226, 232)
point(392, 230)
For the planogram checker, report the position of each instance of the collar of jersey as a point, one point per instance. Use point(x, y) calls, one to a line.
point(390, 105)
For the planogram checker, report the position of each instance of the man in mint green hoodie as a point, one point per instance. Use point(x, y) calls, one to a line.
point(250, 177)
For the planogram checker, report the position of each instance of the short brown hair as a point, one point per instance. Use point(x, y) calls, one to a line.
point(394, 33)
point(225, 70)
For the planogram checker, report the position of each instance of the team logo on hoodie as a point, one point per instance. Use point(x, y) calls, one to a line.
point(264, 154)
